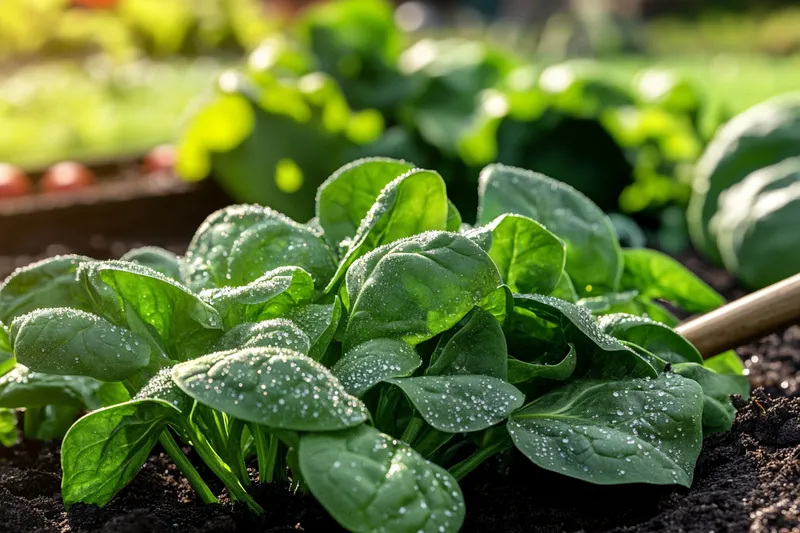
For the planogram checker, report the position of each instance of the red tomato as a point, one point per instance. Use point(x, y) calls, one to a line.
point(66, 176)
point(13, 182)
point(159, 159)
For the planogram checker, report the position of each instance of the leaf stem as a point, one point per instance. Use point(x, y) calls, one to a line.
point(413, 429)
point(476, 459)
point(223, 472)
point(234, 455)
point(32, 420)
point(266, 452)
point(431, 441)
point(186, 467)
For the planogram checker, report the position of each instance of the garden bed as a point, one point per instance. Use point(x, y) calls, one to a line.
point(106, 219)
point(746, 480)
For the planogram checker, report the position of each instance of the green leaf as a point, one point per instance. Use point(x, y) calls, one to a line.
point(654, 337)
point(278, 332)
point(54, 423)
point(69, 342)
point(174, 319)
point(270, 296)
point(416, 288)
point(564, 289)
point(530, 258)
point(453, 218)
point(499, 303)
point(593, 253)
point(319, 322)
point(279, 242)
point(47, 283)
point(414, 203)
point(8, 427)
point(367, 364)
point(478, 347)
point(368, 481)
point(7, 360)
point(236, 245)
point(725, 363)
point(23, 388)
point(158, 259)
point(104, 450)
point(599, 355)
point(347, 196)
point(522, 371)
point(613, 432)
point(461, 403)
point(657, 276)
point(275, 387)
point(718, 412)
point(163, 387)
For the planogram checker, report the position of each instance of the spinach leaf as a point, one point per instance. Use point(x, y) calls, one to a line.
point(69, 342)
point(236, 245)
point(564, 289)
point(522, 371)
point(593, 253)
point(718, 412)
point(416, 288)
point(277, 332)
point(367, 364)
point(153, 306)
point(454, 221)
point(529, 258)
point(615, 431)
point(368, 481)
point(654, 337)
point(599, 355)
point(158, 259)
point(278, 242)
point(725, 363)
point(274, 387)
point(345, 198)
point(22, 387)
point(270, 296)
point(478, 347)
point(461, 403)
point(657, 276)
point(411, 204)
point(105, 449)
point(319, 322)
point(7, 360)
point(47, 283)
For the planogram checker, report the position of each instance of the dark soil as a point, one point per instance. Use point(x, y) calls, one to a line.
point(747, 480)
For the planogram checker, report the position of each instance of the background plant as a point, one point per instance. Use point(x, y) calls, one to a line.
point(454, 104)
point(380, 353)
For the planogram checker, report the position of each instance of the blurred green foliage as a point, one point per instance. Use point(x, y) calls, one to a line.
point(31, 28)
point(454, 104)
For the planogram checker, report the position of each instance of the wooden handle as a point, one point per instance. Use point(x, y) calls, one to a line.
point(747, 319)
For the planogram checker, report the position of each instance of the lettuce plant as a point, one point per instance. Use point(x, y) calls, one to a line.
point(379, 353)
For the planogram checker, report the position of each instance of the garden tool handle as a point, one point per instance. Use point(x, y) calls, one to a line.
point(745, 320)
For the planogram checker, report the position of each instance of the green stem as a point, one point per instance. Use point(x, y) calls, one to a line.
point(223, 472)
point(32, 420)
point(413, 429)
point(186, 467)
point(431, 441)
point(266, 451)
point(384, 413)
point(476, 459)
point(233, 454)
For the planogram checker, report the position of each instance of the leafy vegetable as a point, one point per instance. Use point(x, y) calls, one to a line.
point(373, 356)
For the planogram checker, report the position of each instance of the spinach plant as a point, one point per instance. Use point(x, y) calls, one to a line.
point(375, 355)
